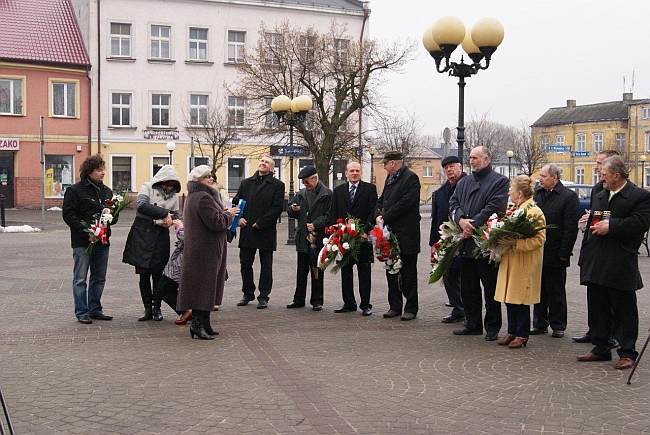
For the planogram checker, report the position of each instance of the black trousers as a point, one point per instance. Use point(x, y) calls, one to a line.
point(552, 309)
point(617, 309)
point(451, 281)
point(474, 273)
point(246, 259)
point(302, 271)
point(347, 284)
point(167, 291)
point(518, 319)
point(404, 285)
point(148, 293)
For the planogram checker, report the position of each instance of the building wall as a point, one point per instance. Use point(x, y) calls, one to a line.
point(428, 183)
point(639, 144)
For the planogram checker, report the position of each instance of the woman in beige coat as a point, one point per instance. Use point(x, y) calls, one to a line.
point(520, 271)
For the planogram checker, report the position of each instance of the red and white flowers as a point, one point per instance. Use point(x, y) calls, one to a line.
point(386, 248)
point(451, 237)
point(98, 230)
point(343, 242)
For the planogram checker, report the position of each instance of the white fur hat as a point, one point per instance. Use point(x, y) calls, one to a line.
point(199, 172)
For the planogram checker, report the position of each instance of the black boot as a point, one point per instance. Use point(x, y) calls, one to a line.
point(146, 295)
point(156, 313)
point(208, 327)
point(148, 314)
point(197, 328)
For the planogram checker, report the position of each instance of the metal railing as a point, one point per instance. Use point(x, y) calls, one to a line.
point(5, 425)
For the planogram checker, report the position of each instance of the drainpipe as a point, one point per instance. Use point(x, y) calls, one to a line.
point(90, 112)
point(366, 15)
point(99, 81)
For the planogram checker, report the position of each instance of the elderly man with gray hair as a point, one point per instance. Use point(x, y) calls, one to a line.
point(609, 265)
point(560, 206)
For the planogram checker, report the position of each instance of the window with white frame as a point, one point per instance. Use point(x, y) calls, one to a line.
point(236, 46)
point(646, 177)
point(120, 40)
point(428, 171)
point(580, 175)
point(273, 47)
point(597, 142)
point(160, 42)
point(559, 139)
point(236, 111)
point(198, 43)
point(198, 161)
point(270, 119)
point(645, 113)
point(64, 99)
point(307, 43)
point(620, 142)
point(198, 110)
point(341, 50)
point(122, 173)
point(11, 96)
point(158, 162)
point(120, 109)
point(595, 178)
point(160, 110)
point(544, 141)
point(647, 141)
point(580, 142)
point(277, 168)
point(345, 105)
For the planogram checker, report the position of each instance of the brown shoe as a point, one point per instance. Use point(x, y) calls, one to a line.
point(506, 340)
point(518, 342)
point(624, 363)
point(590, 357)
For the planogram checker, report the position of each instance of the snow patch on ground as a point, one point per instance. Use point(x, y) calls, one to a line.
point(20, 229)
point(54, 209)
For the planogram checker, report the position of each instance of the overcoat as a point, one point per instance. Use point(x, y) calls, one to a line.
point(314, 209)
point(520, 271)
point(203, 273)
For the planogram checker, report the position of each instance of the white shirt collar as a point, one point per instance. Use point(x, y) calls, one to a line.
point(614, 192)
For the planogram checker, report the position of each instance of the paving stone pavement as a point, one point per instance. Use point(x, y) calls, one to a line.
point(282, 371)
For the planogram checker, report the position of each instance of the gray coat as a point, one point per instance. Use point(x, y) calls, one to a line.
point(314, 209)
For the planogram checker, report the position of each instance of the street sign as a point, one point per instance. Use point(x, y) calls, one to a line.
point(582, 154)
point(558, 148)
point(288, 151)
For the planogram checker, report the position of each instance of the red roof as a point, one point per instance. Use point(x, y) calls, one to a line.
point(41, 31)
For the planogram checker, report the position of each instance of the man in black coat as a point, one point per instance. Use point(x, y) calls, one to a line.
point(399, 209)
point(609, 264)
point(476, 198)
point(264, 197)
point(560, 206)
point(83, 203)
point(356, 199)
point(440, 214)
point(310, 207)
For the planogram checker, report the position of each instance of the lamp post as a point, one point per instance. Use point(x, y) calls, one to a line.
point(171, 146)
point(372, 150)
point(441, 40)
point(510, 154)
point(291, 112)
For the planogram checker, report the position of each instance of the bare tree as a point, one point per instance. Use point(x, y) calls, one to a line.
point(482, 131)
point(399, 134)
point(529, 154)
point(340, 75)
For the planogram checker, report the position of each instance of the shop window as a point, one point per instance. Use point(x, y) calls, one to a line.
point(59, 176)
point(122, 173)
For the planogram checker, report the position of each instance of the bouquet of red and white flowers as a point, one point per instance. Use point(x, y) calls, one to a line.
point(343, 242)
point(386, 248)
point(98, 230)
point(451, 237)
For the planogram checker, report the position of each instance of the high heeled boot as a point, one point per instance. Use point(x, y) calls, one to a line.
point(197, 328)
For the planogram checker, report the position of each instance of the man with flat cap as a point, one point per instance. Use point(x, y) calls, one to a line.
point(310, 207)
point(399, 209)
point(439, 214)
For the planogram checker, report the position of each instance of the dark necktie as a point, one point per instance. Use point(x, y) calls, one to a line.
point(353, 189)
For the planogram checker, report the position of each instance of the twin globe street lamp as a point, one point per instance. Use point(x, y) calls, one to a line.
point(510, 154)
point(291, 112)
point(480, 43)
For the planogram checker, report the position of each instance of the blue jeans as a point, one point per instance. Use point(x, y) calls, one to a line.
point(87, 296)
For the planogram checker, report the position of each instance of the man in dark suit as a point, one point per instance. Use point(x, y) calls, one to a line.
point(264, 197)
point(399, 209)
point(609, 263)
point(440, 214)
point(357, 199)
point(560, 206)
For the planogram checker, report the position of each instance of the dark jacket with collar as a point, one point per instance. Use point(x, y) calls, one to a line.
point(363, 206)
point(598, 187)
point(314, 209)
point(612, 260)
point(440, 208)
point(264, 197)
point(476, 197)
point(561, 208)
point(399, 205)
point(84, 201)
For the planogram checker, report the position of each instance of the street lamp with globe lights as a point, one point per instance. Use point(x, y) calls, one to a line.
point(441, 39)
point(291, 112)
point(171, 146)
point(510, 155)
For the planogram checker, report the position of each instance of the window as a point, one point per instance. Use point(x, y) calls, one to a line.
point(59, 176)
point(160, 42)
point(598, 142)
point(559, 139)
point(647, 141)
point(122, 173)
point(236, 111)
point(646, 177)
point(277, 168)
point(645, 113)
point(338, 172)
point(595, 178)
point(198, 110)
point(620, 142)
point(158, 162)
point(273, 46)
point(544, 140)
point(580, 141)
point(64, 100)
point(160, 110)
point(301, 164)
point(345, 105)
point(11, 96)
point(307, 43)
point(120, 110)
point(198, 161)
point(198, 43)
point(120, 40)
point(236, 173)
point(236, 45)
point(428, 171)
point(270, 119)
point(341, 50)
point(580, 175)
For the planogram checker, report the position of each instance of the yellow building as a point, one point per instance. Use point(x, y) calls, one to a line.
point(426, 166)
point(572, 136)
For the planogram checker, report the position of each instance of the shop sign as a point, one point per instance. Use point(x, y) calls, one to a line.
point(9, 144)
point(161, 134)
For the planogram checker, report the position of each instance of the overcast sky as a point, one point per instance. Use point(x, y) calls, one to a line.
point(553, 50)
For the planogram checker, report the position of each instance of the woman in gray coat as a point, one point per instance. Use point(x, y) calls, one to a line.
point(206, 222)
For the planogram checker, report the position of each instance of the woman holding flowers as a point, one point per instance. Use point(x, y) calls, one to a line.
point(520, 270)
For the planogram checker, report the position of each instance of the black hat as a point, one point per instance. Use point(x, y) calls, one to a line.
point(307, 172)
point(449, 159)
point(392, 155)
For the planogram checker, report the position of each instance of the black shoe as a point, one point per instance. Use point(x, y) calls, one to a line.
point(582, 339)
point(100, 316)
point(244, 301)
point(148, 315)
point(295, 305)
point(156, 314)
point(262, 305)
point(391, 313)
point(557, 334)
point(366, 312)
point(408, 316)
point(317, 307)
point(466, 331)
point(346, 309)
point(209, 330)
point(538, 331)
point(491, 336)
point(84, 319)
point(452, 319)
point(201, 334)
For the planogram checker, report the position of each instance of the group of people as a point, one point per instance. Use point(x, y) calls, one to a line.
point(531, 272)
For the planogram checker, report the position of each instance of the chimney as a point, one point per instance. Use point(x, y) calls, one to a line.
point(627, 96)
point(571, 103)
